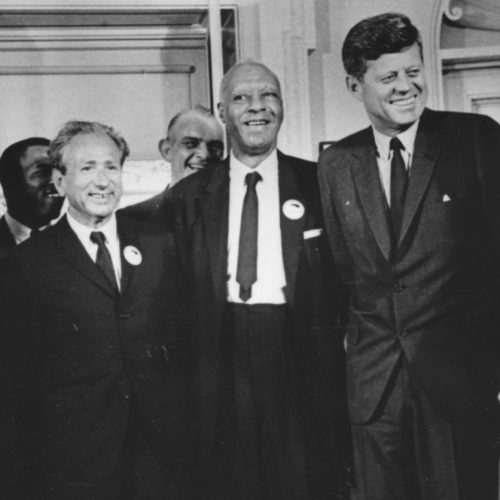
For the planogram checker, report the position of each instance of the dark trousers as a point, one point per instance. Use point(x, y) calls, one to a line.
point(410, 452)
point(266, 445)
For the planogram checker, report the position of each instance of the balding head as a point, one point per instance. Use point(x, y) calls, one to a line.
point(194, 140)
point(252, 109)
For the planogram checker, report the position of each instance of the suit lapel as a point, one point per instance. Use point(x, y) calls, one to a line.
point(77, 257)
point(128, 237)
point(367, 181)
point(215, 214)
point(291, 229)
point(424, 160)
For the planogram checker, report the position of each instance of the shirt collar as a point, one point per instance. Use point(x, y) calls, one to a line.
point(83, 232)
point(407, 138)
point(238, 170)
point(19, 231)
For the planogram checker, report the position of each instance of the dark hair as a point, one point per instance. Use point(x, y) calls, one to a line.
point(10, 162)
point(374, 36)
point(72, 129)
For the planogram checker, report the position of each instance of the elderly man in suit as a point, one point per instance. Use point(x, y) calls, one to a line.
point(269, 367)
point(194, 140)
point(91, 342)
point(412, 212)
point(32, 203)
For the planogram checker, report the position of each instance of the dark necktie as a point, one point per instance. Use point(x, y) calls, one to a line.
point(103, 259)
point(246, 273)
point(399, 184)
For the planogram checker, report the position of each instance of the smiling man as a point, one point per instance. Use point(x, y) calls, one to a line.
point(412, 213)
point(32, 203)
point(194, 141)
point(91, 310)
point(269, 372)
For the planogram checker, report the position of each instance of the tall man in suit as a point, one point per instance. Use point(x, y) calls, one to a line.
point(194, 140)
point(92, 343)
point(25, 176)
point(269, 368)
point(412, 213)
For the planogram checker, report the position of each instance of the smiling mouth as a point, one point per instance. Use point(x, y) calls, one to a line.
point(100, 196)
point(195, 166)
point(51, 192)
point(405, 102)
point(257, 123)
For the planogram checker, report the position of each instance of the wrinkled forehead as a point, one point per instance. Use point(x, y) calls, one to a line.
point(251, 76)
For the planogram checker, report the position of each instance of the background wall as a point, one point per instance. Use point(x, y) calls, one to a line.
point(300, 40)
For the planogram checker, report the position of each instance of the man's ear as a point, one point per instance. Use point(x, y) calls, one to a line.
point(354, 87)
point(57, 180)
point(165, 149)
point(222, 114)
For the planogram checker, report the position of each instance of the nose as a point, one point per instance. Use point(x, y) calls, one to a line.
point(101, 178)
point(256, 103)
point(403, 83)
point(202, 150)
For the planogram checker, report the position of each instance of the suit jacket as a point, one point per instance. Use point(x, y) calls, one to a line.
point(155, 209)
point(89, 365)
point(435, 300)
point(7, 242)
point(201, 208)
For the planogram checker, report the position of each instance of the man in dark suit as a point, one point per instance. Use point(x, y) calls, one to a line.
point(194, 140)
point(32, 203)
point(269, 368)
point(412, 213)
point(92, 343)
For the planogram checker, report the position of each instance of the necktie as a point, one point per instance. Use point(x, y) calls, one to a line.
point(103, 260)
point(399, 184)
point(246, 273)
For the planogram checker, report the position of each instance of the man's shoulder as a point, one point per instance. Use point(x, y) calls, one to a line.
point(42, 247)
point(459, 128)
point(152, 208)
point(196, 183)
point(348, 144)
point(296, 161)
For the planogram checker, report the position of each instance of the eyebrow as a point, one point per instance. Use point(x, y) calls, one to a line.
point(191, 138)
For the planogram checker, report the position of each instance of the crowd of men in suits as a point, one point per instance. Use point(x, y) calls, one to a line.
point(262, 329)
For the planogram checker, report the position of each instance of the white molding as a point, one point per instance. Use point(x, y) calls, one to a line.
point(71, 5)
point(473, 99)
point(453, 9)
point(108, 69)
point(433, 54)
point(472, 55)
point(103, 33)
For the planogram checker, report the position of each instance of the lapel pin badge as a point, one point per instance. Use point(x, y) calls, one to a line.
point(132, 255)
point(446, 198)
point(293, 209)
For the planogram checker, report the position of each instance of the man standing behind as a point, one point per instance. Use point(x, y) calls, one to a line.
point(412, 211)
point(194, 140)
point(269, 374)
point(101, 395)
point(25, 175)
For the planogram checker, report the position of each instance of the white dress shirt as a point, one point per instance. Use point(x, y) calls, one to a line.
point(112, 242)
point(384, 156)
point(271, 280)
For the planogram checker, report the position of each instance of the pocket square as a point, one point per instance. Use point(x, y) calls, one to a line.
point(313, 233)
point(446, 198)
